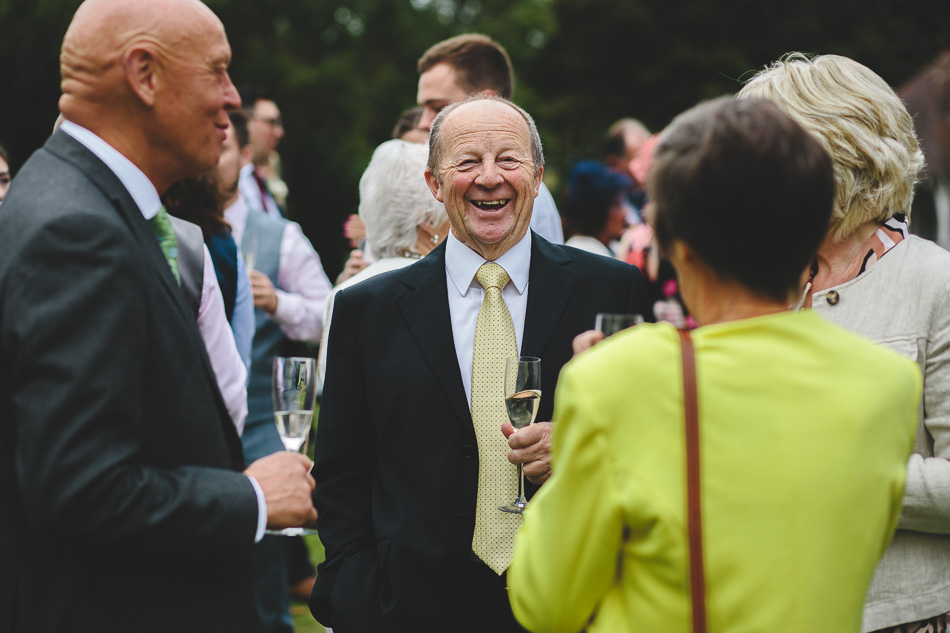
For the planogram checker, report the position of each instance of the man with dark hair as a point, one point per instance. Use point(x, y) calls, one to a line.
point(475, 62)
point(121, 470)
point(265, 129)
point(471, 64)
point(412, 471)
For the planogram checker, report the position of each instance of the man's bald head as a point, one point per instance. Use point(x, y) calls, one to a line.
point(151, 79)
point(103, 32)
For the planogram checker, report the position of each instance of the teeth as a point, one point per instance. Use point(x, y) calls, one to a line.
point(489, 204)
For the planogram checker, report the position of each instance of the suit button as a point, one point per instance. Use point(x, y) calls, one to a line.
point(468, 452)
point(833, 298)
point(464, 520)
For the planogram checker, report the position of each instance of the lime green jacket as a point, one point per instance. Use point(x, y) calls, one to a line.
point(805, 430)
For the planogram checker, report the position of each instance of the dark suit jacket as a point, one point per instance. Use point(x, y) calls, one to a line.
point(121, 507)
point(396, 455)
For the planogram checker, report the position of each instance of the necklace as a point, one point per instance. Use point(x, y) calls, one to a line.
point(411, 254)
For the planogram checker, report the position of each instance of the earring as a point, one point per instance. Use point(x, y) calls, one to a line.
point(434, 239)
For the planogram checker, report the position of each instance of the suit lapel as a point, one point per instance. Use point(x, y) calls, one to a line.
point(426, 311)
point(551, 284)
point(74, 152)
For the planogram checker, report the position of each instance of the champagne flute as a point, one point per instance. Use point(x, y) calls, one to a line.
point(250, 252)
point(294, 390)
point(522, 398)
point(610, 324)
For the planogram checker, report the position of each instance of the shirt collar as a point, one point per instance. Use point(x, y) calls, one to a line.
point(462, 263)
point(135, 181)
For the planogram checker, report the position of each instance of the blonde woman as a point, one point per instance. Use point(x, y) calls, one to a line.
point(872, 277)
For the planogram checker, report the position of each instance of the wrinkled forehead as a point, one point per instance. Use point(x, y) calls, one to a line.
point(486, 126)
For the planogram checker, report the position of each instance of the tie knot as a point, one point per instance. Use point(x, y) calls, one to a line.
point(162, 225)
point(491, 275)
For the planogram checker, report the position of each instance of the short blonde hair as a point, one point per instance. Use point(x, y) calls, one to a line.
point(860, 121)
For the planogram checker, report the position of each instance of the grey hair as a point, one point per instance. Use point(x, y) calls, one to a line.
point(395, 199)
point(863, 125)
point(437, 144)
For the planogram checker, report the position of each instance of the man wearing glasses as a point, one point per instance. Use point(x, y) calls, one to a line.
point(265, 129)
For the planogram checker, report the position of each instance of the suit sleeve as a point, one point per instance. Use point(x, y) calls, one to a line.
point(637, 301)
point(346, 593)
point(926, 505)
point(77, 328)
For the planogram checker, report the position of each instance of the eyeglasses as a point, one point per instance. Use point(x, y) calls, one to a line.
point(271, 121)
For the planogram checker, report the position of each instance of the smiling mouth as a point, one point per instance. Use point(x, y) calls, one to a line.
point(490, 205)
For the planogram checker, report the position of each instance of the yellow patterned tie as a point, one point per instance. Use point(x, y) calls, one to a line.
point(497, 478)
point(167, 241)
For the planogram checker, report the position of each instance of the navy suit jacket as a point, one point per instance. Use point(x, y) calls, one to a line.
point(122, 505)
point(396, 459)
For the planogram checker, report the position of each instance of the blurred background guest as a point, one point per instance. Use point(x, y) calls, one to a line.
point(201, 201)
point(638, 247)
point(874, 278)
point(199, 283)
point(804, 428)
point(595, 214)
point(622, 144)
point(407, 129)
point(289, 287)
point(404, 222)
point(266, 129)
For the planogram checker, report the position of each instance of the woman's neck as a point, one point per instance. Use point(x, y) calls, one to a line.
point(732, 302)
point(835, 258)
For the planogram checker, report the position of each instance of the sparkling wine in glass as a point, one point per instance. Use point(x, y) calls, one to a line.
point(522, 399)
point(610, 324)
point(294, 388)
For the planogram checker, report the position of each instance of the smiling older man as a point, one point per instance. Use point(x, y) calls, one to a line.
point(410, 479)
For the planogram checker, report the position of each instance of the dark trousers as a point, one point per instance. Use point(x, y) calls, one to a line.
point(479, 602)
point(270, 585)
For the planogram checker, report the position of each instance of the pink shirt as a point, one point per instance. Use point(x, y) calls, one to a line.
point(302, 286)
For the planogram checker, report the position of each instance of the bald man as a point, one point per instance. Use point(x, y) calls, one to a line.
point(124, 504)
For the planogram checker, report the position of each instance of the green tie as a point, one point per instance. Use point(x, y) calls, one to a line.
point(495, 530)
point(165, 233)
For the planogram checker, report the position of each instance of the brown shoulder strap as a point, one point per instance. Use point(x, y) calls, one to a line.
point(697, 576)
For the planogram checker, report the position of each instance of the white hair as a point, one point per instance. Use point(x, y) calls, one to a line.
point(395, 199)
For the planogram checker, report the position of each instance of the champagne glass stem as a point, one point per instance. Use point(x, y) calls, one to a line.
point(521, 498)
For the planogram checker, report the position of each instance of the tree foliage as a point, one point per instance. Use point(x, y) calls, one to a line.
point(343, 70)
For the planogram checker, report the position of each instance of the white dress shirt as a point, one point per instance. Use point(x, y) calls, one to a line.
point(466, 294)
point(146, 198)
point(302, 285)
point(590, 244)
point(251, 192)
